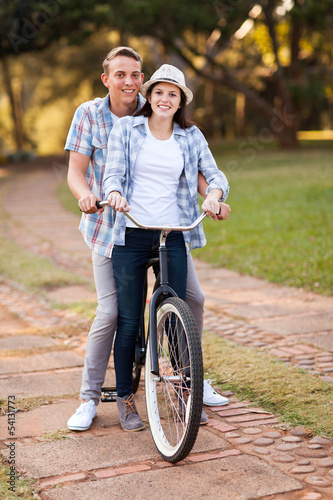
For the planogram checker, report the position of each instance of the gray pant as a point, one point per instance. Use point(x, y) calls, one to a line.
point(100, 338)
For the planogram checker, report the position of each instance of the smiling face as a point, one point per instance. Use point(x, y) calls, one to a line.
point(164, 99)
point(123, 79)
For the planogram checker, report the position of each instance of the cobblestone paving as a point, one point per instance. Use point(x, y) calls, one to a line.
point(244, 449)
point(289, 350)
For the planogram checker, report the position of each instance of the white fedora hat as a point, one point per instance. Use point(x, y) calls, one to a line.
point(169, 74)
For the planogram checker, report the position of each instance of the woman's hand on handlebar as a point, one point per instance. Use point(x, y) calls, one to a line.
point(211, 204)
point(215, 208)
point(118, 202)
point(87, 204)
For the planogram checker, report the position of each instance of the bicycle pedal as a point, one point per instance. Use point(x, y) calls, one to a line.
point(109, 394)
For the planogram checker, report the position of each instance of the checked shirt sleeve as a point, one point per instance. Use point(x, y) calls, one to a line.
point(79, 136)
point(207, 166)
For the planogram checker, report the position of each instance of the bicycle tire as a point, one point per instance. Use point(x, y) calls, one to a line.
point(174, 402)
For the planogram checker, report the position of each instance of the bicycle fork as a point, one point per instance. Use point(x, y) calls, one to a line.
point(165, 291)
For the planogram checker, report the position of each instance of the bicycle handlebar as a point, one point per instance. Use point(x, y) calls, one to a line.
point(100, 204)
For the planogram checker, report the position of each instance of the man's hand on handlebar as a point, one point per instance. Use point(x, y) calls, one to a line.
point(224, 211)
point(118, 202)
point(87, 204)
point(216, 209)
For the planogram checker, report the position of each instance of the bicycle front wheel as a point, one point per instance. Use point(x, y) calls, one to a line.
point(174, 399)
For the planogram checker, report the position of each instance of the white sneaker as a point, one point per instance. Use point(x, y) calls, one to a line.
point(83, 417)
point(211, 397)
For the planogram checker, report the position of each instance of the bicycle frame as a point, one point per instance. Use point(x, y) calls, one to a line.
point(164, 289)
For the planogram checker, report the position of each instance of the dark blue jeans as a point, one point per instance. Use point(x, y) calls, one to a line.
point(129, 268)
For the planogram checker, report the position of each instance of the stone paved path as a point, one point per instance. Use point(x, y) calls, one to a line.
point(243, 453)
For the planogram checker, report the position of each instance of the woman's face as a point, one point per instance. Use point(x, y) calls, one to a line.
point(164, 99)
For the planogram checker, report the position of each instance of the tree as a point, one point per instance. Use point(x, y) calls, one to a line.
point(31, 26)
point(277, 53)
point(277, 47)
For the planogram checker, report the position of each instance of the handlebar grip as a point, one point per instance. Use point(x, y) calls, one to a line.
point(99, 204)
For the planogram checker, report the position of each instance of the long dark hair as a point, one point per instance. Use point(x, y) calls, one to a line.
point(180, 115)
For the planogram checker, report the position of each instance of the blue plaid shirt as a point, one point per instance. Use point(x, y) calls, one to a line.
point(124, 143)
point(88, 134)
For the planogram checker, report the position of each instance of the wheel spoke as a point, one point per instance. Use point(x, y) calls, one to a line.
point(174, 399)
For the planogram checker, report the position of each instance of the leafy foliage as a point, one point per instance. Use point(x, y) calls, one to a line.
point(276, 53)
point(29, 25)
point(221, 40)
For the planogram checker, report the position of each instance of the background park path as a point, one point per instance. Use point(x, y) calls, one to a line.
point(243, 453)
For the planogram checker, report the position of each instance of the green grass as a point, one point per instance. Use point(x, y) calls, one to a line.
point(30, 403)
point(33, 272)
point(58, 435)
point(300, 399)
point(84, 308)
point(24, 487)
point(22, 266)
point(280, 227)
point(67, 198)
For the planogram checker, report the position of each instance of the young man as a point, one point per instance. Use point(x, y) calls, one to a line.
point(87, 143)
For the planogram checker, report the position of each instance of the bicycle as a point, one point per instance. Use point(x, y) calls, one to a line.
point(172, 356)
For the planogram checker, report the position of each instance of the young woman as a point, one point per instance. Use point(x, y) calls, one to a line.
point(152, 169)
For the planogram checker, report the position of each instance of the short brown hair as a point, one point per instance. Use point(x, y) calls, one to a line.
point(120, 51)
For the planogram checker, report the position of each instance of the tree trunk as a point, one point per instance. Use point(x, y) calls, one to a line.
point(284, 125)
point(240, 113)
point(16, 109)
point(287, 138)
point(209, 108)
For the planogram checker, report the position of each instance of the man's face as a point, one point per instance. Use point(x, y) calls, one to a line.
point(123, 79)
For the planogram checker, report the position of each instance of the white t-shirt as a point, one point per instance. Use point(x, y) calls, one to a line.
point(115, 118)
point(157, 169)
